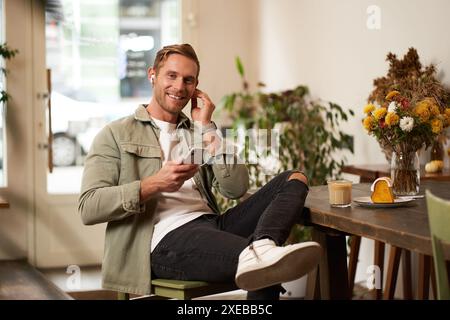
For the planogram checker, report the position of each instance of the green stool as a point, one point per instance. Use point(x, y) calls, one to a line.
point(439, 218)
point(184, 290)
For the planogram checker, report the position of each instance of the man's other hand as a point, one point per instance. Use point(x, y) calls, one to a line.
point(201, 114)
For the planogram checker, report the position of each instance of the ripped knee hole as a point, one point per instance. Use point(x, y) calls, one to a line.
point(299, 176)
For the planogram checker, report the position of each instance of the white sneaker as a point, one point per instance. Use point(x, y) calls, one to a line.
point(263, 264)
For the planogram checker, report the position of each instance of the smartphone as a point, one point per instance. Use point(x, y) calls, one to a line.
point(193, 102)
point(194, 156)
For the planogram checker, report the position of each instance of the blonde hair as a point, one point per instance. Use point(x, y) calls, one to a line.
point(184, 49)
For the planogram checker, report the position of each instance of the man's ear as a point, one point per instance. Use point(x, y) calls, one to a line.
point(151, 73)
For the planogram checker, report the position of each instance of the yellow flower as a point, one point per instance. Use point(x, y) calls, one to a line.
point(392, 119)
point(392, 94)
point(369, 108)
point(368, 123)
point(428, 101)
point(434, 109)
point(379, 113)
point(422, 111)
point(445, 117)
point(447, 112)
point(446, 120)
point(436, 126)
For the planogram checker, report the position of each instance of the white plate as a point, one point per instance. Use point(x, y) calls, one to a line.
point(367, 202)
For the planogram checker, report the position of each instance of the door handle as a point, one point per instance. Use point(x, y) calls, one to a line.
point(48, 145)
point(50, 132)
point(42, 146)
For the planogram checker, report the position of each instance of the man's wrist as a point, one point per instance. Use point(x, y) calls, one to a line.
point(148, 188)
point(212, 141)
point(211, 126)
point(205, 127)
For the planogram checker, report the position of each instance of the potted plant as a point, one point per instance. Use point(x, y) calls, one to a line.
point(414, 82)
point(308, 131)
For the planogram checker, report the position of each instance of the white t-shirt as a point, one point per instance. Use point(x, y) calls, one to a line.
point(175, 209)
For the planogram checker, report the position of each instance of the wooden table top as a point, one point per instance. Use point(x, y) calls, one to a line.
point(405, 227)
point(369, 172)
point(3, 202)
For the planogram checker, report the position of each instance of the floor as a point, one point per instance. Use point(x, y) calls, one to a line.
point(86, 285)
point(20, 281)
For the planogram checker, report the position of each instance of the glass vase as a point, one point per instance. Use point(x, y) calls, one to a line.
point(405, 172)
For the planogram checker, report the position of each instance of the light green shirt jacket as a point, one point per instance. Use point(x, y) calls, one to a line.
point(124, 152)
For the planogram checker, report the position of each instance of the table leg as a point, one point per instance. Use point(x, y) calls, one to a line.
point(313, 285)
point(355, 243)
point(433, 279)
point(424, 277)
point(392, 272)
point(379, 261)
point(333, 273)
point(407, 275)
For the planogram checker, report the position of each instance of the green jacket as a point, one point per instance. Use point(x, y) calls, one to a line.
point(123, 153)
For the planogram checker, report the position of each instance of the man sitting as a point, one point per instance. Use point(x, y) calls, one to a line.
point(163, 220)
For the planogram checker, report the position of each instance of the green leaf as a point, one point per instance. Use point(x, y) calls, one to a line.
point(6, 52)
point(239, 66)
point(4, 96)
point(228, 102)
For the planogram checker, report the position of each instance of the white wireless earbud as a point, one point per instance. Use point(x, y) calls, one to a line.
point(152, 78)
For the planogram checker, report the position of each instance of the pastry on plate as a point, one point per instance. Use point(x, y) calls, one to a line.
point(382, 191)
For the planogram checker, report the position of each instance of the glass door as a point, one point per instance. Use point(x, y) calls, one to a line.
point(98, 53)
point(93, 60)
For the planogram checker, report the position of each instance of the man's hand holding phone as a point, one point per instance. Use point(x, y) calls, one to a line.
point(169, 178)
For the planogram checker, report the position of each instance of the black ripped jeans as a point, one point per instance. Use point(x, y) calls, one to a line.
point(208, 247)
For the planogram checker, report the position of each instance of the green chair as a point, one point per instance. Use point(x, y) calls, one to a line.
point(439, 218)
point(183, 290)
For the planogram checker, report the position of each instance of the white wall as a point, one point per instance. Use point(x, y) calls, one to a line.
point(326, 45)
point(19, 134)
point(220, 30)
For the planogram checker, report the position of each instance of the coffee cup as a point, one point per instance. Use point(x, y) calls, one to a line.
point(340, 193)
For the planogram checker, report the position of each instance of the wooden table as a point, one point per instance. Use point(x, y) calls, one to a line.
point(404, 227)
point(370, 172)
point(4, 203)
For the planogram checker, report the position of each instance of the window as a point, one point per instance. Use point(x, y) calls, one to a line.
point(98, 53)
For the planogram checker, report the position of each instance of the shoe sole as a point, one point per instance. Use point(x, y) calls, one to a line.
point(291, 266)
